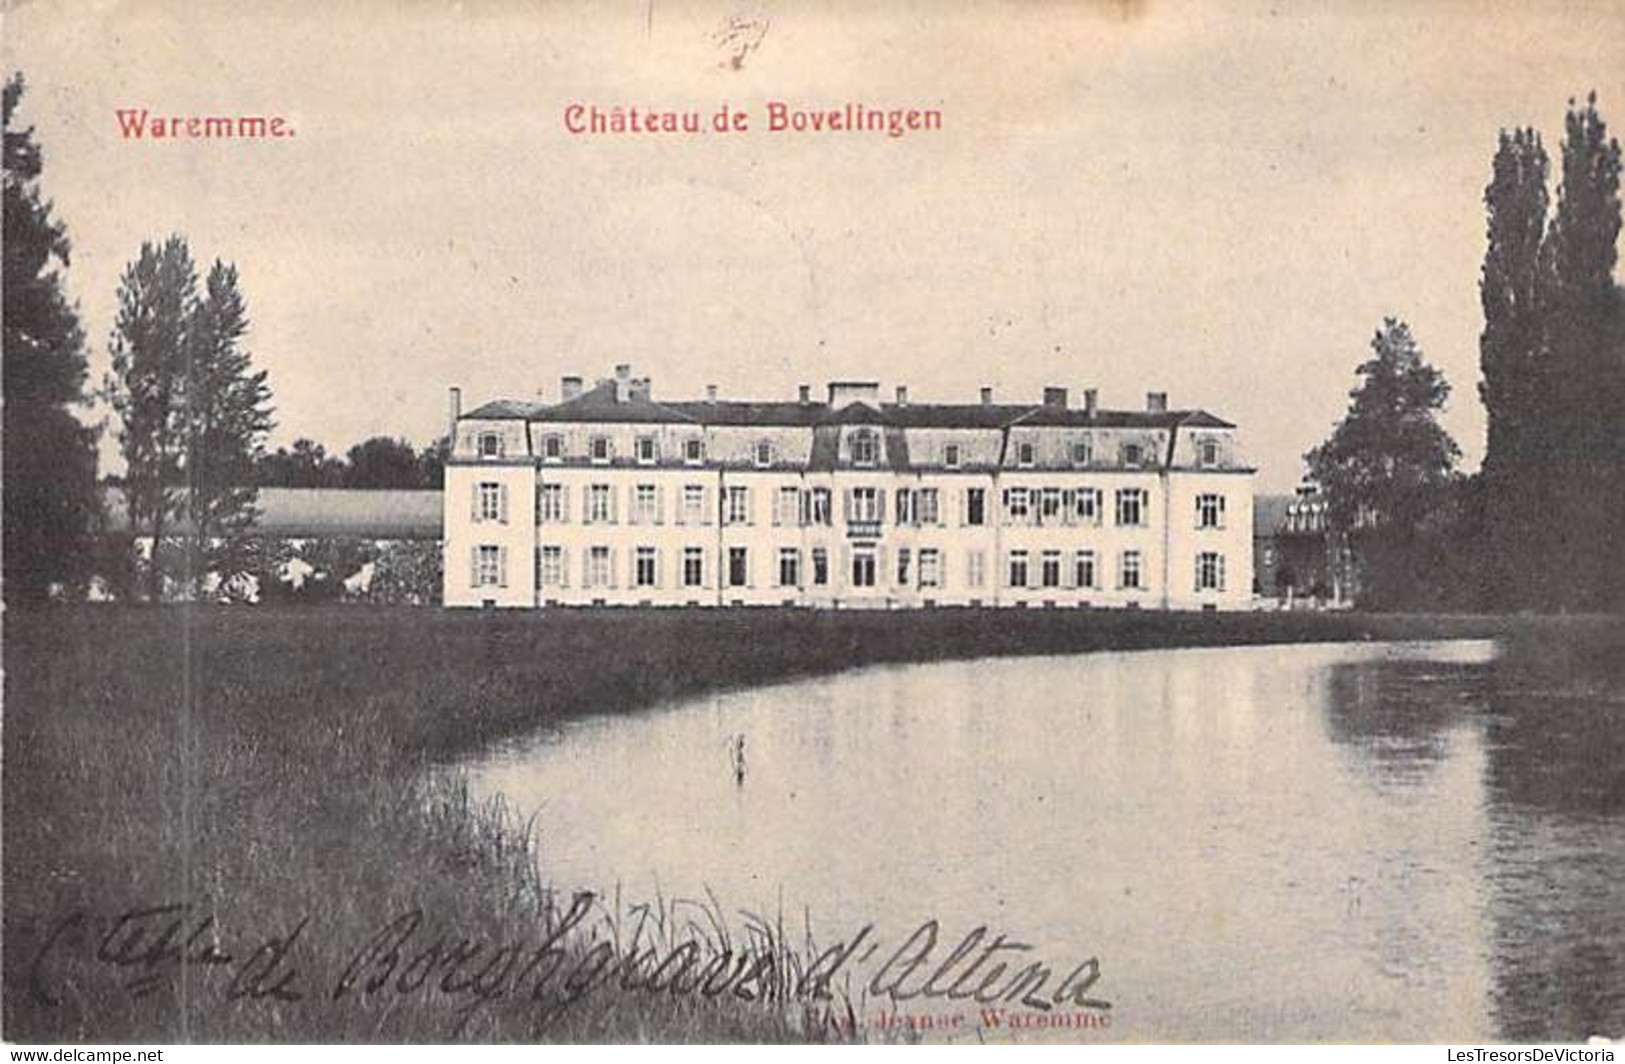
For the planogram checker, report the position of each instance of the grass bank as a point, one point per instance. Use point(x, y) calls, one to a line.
point(280, 769)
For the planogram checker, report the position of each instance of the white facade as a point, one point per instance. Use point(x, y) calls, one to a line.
point(611, 498)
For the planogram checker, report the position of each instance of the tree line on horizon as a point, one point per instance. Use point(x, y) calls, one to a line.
point(1537, 528)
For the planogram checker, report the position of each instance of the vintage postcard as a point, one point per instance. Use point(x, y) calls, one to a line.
point(690, 522)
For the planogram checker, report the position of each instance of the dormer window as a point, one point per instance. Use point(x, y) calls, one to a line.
point(599, 449)
point(950, 456)
point(490, 445)
point(694, 451)
point(1024, 455)
point(1080, 452)
point(864, 448)
point(553, 448)
point(1208, 453)
point(764, 454)
point(646, 450)
point(1132, 453)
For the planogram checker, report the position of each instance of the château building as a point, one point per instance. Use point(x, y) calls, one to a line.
point(612, 497)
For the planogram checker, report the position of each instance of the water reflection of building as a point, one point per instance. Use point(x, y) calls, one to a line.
point(1296, 556)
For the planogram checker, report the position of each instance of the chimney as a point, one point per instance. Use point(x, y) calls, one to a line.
point(1156, 402)
point(806, 394)
point(710, 393)
point(902, 395)
point(569, 388)
point(1091, 401)
point(623, 382)
point(1055, 397)
point(455, 409)
point(987, 396)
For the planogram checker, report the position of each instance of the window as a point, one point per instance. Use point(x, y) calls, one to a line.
point(976, 506)
point(488, 567)
point(550, 567)
point(1049, 506)
point(1209, 571)
point(1083, 569)
point(550, 503)
point(646, 450)
point(738, 512)
point(950, 456)
point(930, 567)
point(1018, 568)
point(903, 560)
point(925, 506)
point(1210, 511)
point(553, 448)
point(694, 451)
point(490, 506)
point(789, 567)
point(1086, 506)
point(820, 562)
point(1128, 575)
point(738, 566)
point(490, 445)
point(694, 505)
point(1208, 453)
point(863, 568)
point(1131, 454)
point(1016, 510)
point(1049, 571)
point(646, 569)
point(693, 566)
point(975, 568)
point(1024, 455)
point(865, 505)
point(645, 505)
point(865, 448)
point(905, 506)
point(764, 454)
point(820, 506)
point(599, 449)
point(600, 504)
point(599, 572)
point(1131, 506)
point(787, 506)
point(1080, 452)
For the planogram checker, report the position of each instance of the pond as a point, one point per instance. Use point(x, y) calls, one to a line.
point(1386, 842)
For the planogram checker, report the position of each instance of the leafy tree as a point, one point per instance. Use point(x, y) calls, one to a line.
point(193, 412)
point(382, 462)
point(227, 415)
point(157, 299)
point(307, 465)
point(432, 464)
point(49, 456)
point(1587, 372)
point(1388, 463)
point(1516, 385)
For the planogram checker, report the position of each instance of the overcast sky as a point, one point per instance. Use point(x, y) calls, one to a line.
point(1218, 200)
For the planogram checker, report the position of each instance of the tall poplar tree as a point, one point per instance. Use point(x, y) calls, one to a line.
point(49, 456)
point(1587, 374)
point(1516, 384)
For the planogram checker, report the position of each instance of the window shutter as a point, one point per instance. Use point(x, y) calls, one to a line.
point(778, 499)
point(660, 504)
point(502, 503)
point(502, 567)
point(613, 573)
point(706, 511)
point(1221, 572)
point(586, 504)
point(474, 507)
point(473, 567)
point(679, 512)
point(750, 509)
point(564, 566)
point(804, 508)
point(942, 569)
point(880, 505)
point(659, 580)
point(614, 504)
point(564, 504)
point(846, 503)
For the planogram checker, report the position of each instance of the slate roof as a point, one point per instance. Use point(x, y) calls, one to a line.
point(599, 405)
